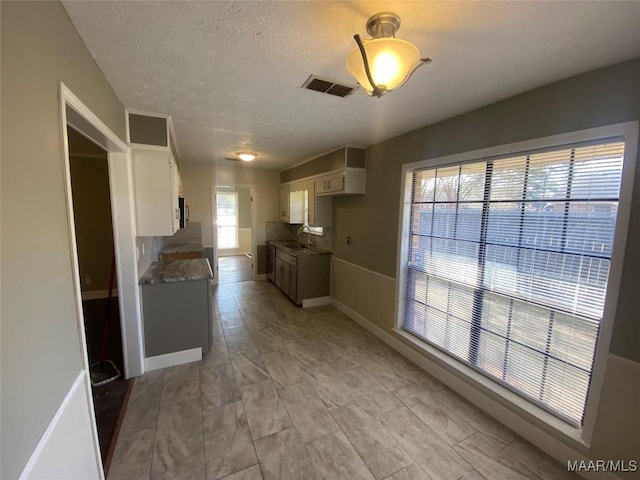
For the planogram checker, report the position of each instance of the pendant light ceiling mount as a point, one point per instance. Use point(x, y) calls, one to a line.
point(384, 63)
point(383, 25)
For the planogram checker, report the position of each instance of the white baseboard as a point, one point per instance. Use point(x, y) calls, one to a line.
point(98, 294)
point(315, 302)
point(172, 359)
point(68, 447)
point(531, 432)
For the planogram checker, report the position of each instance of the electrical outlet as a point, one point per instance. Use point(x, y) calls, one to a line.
point(87, 280)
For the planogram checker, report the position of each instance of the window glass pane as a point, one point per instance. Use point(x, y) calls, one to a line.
point(444, 220)
point(524, 369)
point(421, 218)
point(590, 227)
point(472, 179)
point(447, 184)
point(453, 260)
point(507, 178)
point(573, 340)
point(438, 294)
point(424, 182)
point(458, 337)
point(469, 221)
point(503, 226)
point(597, 172)
point(435, 328)
point(543, 225)
point(491, 351)
point(548, 176)
point(461, 302)
point(227, 219)
point(495, 314)
point(565, 389)
point(530, 325)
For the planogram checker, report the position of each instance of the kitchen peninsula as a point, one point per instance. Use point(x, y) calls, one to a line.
point(176, 306)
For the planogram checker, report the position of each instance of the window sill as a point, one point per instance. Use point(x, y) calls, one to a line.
point(515, 404)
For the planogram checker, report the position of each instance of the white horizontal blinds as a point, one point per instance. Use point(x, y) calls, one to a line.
point(508, 266)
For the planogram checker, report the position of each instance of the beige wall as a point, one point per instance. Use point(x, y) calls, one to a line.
point(40, 348)
point(607, 96)
point(197, 179)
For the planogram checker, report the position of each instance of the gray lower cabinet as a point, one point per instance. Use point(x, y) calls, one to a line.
point(176, 316)
point(302, 277)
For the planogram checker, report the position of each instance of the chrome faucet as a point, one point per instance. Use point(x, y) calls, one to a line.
point(308, 230)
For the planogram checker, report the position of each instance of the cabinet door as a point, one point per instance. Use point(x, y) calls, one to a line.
point(297, 206)
point(330, 184)
point(284, 203)
point(293, 284)
point(277, 273)
point(155, 199)
point(285, 278)
point(175, 192)
point(311, 204)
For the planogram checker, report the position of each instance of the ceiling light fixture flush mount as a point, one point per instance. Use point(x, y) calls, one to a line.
point(384, 63)
point(246, 156)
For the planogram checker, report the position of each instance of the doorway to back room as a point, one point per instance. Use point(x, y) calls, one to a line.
point(234, 233)
point(92, 218)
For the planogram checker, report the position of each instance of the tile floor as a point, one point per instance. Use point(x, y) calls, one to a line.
point(234, 268)
point(293, 394)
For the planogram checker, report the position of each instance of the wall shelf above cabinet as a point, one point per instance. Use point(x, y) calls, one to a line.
point(341, 172)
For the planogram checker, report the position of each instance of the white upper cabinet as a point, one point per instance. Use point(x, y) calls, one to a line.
point(156, 184)
point(156, 178)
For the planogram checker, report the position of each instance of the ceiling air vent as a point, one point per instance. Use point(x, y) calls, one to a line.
point(327, 86)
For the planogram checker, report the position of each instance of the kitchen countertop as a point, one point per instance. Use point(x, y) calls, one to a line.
point(182, 247)
point(285, 245)
point(177, 271)
point(188, 239)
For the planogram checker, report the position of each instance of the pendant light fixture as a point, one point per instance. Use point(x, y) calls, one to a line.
point(384, 63)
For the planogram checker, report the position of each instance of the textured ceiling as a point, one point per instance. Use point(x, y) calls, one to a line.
point(229, 73)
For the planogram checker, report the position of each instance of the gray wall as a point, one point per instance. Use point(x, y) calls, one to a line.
point(40, 347)
point(606, 96)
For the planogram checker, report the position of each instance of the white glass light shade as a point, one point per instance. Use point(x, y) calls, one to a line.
point(391, 61)
point(246, 157)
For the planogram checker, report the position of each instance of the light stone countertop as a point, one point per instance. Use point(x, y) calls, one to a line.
point(177, 271)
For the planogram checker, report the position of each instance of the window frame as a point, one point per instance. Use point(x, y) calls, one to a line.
point(234, 194)
point(627, 132)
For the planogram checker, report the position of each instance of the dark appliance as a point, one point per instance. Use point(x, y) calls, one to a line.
point(184, 212)
point(271, 262)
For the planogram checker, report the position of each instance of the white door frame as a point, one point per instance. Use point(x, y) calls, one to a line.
point(76, 114)
point(214, 211)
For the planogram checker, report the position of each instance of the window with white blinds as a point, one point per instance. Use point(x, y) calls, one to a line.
point(508, 263)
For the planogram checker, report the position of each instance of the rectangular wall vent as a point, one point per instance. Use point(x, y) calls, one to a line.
point(328, 86)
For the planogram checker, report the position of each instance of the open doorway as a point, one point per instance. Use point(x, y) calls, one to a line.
point(91, 198)
point(234, 233)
